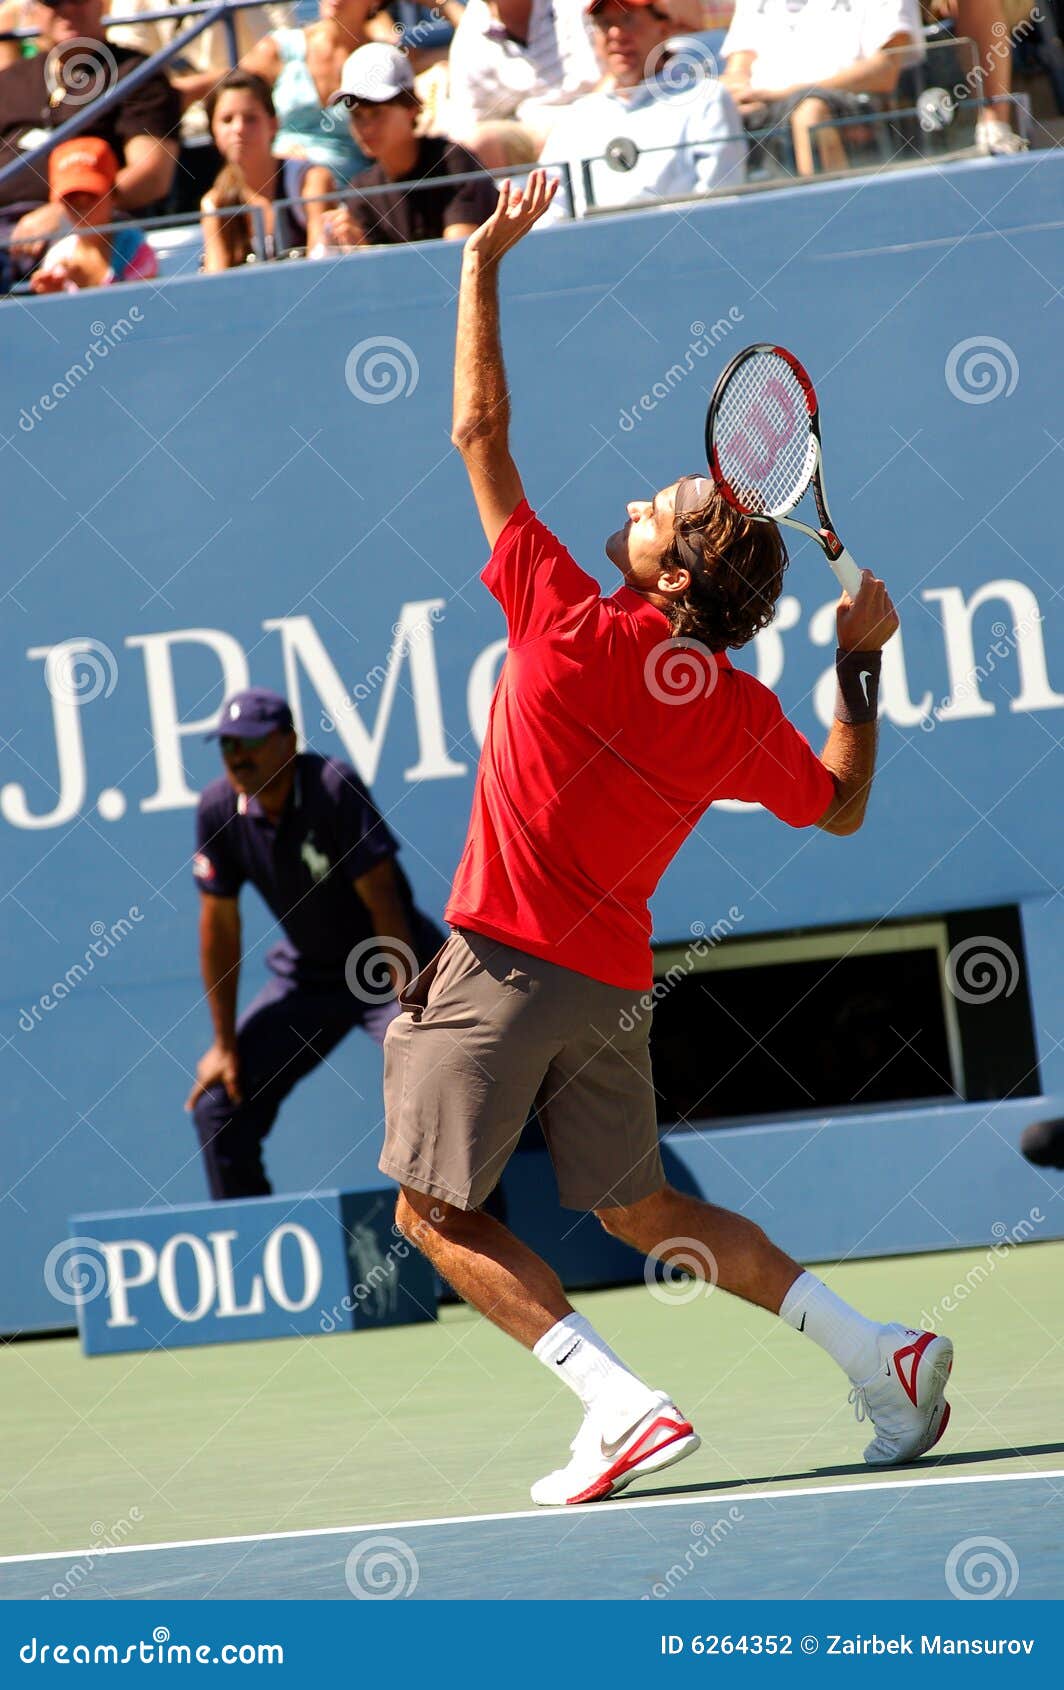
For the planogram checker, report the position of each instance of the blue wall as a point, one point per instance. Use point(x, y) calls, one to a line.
point(213, 476)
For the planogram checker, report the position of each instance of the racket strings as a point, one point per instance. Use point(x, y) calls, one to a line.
point(762, 437)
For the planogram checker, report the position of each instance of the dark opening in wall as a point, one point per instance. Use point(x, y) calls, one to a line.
point(848, 1018)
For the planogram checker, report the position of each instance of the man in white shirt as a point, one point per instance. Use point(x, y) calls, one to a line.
point(658, 128)
point(807, 61)
point(513, 65)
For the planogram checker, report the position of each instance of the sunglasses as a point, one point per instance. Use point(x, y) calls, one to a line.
point(232, 743)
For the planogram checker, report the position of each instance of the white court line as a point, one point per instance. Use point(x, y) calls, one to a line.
point(692, 1498)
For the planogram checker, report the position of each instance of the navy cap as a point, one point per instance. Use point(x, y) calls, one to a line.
point(252, 714)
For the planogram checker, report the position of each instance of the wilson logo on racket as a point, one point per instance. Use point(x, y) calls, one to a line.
point(764, 449)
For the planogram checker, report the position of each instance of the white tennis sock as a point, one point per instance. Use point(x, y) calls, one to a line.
point(573, 1350)
point(848, 1337)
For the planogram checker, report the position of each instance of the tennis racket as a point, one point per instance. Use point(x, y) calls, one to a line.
point(764, 450)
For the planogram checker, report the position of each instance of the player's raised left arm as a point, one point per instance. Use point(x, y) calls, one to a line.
point(481, 425)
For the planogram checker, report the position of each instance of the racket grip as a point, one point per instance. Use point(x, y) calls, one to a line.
point(847, 572)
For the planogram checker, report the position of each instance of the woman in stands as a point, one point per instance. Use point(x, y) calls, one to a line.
point(244, 126)
point(302, 67)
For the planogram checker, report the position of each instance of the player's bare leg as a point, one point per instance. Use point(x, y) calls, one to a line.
point(898, 1375)
point(628, 1429)
point(742, 1258)
point(486, 1265)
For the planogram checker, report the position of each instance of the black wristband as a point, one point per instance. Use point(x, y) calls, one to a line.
point(857, 693)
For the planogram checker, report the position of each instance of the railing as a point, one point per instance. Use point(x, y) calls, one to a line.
point(205, 13)
point(261, 245)
point(94, 110)
point(925, 140)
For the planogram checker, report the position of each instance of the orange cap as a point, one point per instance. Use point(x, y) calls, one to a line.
point(86, 165)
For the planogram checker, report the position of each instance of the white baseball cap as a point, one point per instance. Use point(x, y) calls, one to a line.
point(376, 73)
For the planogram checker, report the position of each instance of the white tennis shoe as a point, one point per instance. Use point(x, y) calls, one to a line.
point(905, 1400)
point(601, 1466)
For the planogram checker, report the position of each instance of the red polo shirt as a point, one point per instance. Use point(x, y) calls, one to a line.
point(606, 742)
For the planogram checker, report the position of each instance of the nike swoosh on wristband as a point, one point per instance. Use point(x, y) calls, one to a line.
point(864, 677)
point(568, 1353)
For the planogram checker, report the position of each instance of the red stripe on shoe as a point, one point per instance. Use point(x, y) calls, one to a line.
point(916, 1352)
point(632, 1457)
point(943, 1423)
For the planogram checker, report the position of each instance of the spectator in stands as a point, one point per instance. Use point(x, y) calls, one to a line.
point(377, 89)
point(74, 68)
point(81, 176)
point(304, 831)
point(16, 14)
point(302, 67)
point(807, 63)
point(513, 65)
point(210, 50)
point(244, 127)
point(682, 130)
point(984, 22)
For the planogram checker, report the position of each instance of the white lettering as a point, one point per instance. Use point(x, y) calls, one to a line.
point(168, 730)
point(222, 1245)
point(119, 1282)
point(301, 646)
point(965, 701)
point(312, 1269)
point(205, 1276)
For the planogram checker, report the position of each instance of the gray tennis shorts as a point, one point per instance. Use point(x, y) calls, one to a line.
point(487, 1031)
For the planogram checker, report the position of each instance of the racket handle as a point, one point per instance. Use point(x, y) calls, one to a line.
point(847, 572)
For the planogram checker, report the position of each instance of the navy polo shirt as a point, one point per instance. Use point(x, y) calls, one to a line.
point(329, 834)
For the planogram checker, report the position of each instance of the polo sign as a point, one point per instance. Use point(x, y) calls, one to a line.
point(266, 1267)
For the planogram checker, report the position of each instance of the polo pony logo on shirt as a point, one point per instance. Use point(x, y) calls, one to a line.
point(316, 861)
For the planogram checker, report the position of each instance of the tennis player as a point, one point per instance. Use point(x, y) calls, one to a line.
point(593, 773)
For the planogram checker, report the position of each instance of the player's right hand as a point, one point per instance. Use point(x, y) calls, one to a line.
point(867, 622)
point(515, 213)
point(219, 1066)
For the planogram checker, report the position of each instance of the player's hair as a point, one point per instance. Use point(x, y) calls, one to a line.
point(733, 594)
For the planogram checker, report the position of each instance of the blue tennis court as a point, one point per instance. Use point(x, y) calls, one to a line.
point(908, 1539)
